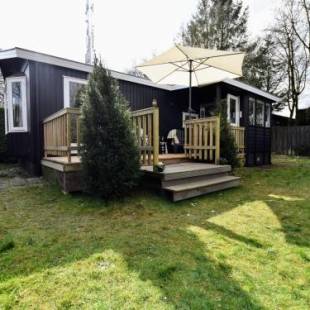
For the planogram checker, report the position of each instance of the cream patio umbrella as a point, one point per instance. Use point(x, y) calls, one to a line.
point(184, 65)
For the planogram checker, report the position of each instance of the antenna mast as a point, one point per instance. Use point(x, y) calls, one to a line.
point(90, 51)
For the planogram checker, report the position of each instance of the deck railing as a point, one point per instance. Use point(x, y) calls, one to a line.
point(202, 139)
point(62, 133)
point(146, 127)
point(238, 133)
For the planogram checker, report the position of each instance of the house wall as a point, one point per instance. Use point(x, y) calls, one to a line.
point(45, 97)
point(141, 97)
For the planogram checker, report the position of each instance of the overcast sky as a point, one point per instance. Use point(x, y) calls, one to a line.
point(126, 32)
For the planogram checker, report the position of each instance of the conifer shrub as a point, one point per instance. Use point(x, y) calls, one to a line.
point(109, 153)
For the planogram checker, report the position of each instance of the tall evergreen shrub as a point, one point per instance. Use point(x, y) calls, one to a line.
point(110, 157)
point(228, 150)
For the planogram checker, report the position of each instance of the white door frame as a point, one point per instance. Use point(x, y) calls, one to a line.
point(237, 99)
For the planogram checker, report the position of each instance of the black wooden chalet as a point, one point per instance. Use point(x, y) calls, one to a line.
point(38, 85)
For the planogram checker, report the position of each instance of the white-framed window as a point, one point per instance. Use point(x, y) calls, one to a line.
point(186, 116)
point(72, 88)
point(259, 113)
point(16, 116)
point(267, 115)
point(202, 112)
point(233, 110)
point(252, 111)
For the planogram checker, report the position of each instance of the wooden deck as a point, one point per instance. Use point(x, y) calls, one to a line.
point(76, 160)
point(178, 181)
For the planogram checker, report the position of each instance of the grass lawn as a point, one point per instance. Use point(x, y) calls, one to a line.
point(245, 248)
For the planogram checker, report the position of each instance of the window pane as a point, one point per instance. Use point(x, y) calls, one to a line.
point(17, 104)
point(252, 111)
point(259, 113)
point(232, 112)
point(267, 115)
point(74, 92)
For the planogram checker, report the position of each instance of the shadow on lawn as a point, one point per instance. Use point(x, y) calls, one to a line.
point(159, 248)
point(152, 237)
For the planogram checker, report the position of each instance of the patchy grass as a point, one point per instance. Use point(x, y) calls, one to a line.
point(246, 248)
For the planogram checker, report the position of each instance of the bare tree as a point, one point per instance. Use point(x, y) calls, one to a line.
point(293, 54)
point(300, 19)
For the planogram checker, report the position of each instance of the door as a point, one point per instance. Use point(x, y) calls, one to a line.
point(233, 110)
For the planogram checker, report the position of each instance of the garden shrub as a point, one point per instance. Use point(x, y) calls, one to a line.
point(6, 244)
point(303, 150)
point(110, 156)
point(228, 150)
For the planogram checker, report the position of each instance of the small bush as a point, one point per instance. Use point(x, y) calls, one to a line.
point(7, 243)
point(303, 150)
point(110, 156)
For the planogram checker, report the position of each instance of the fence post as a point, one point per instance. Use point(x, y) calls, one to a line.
point(155, 132)
point(217, 140)
point(68, 136)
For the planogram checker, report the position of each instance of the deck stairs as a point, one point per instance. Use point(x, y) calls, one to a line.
point(190, 179)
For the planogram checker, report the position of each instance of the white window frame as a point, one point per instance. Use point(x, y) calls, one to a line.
point(192, 115)
point(202, 112)
point(8, 104)
point(66, 85)
point(237, 99)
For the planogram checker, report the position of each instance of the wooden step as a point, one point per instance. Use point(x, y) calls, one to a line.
point(204, 177)
point(186, 170)
point(190, 189)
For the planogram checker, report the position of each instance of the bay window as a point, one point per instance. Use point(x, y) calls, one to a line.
point(72, 89)
point(16, 104)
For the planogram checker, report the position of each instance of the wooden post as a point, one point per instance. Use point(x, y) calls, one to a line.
point(78, 133)
point(69, 136)
point(155, 133)
point(217, 140)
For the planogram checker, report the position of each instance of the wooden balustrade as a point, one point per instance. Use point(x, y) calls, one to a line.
point(62, 133)
point(146, 127)
point(238, 133)
point(202, 139)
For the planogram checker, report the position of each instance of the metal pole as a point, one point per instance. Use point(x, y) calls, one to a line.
point(190, 87)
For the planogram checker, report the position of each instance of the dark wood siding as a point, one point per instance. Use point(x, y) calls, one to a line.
point(141, 97)
point(45, 97)
point(45, 89)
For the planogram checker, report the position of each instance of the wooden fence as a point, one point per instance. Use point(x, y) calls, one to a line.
point(146, 126)
point(62, 133)
point(202, 139)
point(287, 140)
point(238, 133)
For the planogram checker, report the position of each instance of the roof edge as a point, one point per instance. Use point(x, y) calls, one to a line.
point(252, 89)
point(18, 52)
